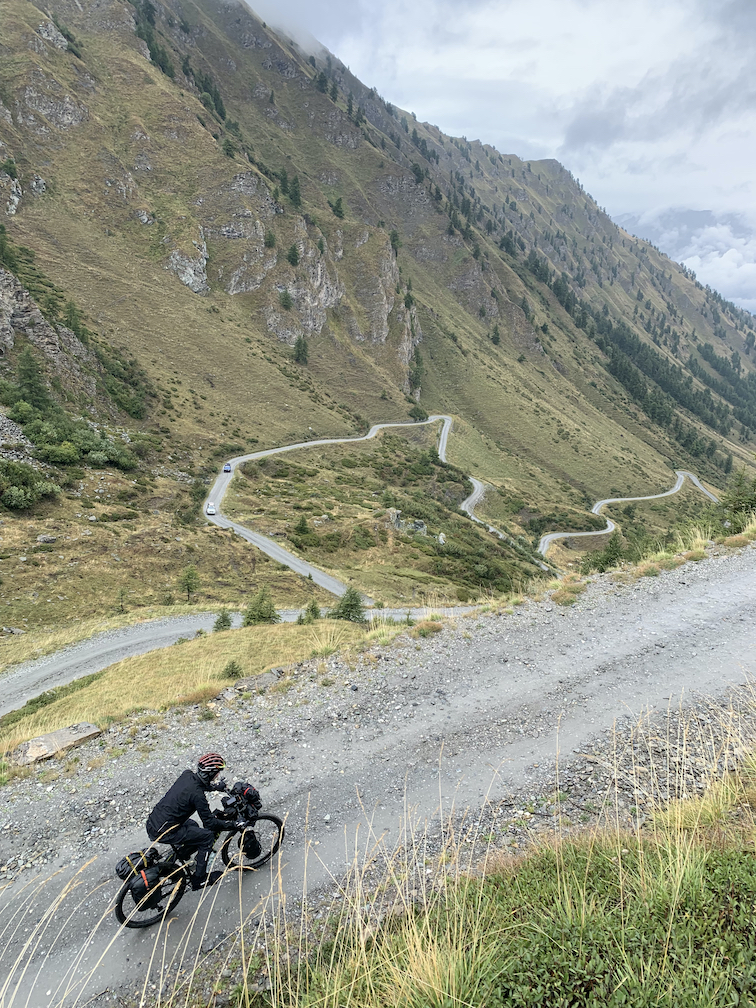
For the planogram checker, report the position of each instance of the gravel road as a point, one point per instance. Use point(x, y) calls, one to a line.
point(25, 681)
point(480, 709)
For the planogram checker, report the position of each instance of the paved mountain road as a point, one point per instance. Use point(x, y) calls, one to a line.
point(270, 546)
point(682, 475)
point(502, 695)
point(26, 681)
point(332, 584)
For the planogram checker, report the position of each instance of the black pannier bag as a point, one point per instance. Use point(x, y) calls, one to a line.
point(135, 862)
point(250, 845)
point(146, 888)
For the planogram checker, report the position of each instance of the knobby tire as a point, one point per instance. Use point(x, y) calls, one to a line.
point(270, 832)
point(130, 915)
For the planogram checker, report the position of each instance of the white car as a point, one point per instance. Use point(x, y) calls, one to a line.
point(210, 509)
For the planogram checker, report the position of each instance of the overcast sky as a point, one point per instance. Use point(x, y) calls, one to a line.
point(651, 103)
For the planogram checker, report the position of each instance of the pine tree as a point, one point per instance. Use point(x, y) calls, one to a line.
point(350, 105)
point(295, 194)
point(189, 581)
point(232, 670)
point(261, 610)
point(334, 91)
point(302, 528)
point(223, 622)
point(293, 255)
point(301, 355)
point(284, 182)
point(31, 381)
point(284, 299)
point(322, 82)
point(613, 550)
point(349, 607)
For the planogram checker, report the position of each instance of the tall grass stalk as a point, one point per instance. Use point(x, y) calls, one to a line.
point(443, 915)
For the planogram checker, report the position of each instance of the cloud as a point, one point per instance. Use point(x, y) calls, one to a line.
point(650, 102)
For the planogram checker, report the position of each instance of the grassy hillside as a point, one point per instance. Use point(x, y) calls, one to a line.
point(207, 196)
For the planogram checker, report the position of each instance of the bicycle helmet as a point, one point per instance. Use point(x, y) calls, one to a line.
point(209, 766)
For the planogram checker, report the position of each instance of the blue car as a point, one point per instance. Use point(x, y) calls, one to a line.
point(227, 467)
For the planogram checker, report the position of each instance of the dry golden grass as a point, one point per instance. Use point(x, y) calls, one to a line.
point(568, 590)
point(35, 644)
point(739, 540)
point(188, 672)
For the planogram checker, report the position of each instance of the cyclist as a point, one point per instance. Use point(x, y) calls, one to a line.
point(170, 822)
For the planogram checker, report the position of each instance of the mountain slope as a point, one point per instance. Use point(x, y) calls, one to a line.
point(207, 194)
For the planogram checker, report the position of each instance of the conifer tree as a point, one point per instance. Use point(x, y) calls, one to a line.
point(261, 610)
point(31, 381)
point(349, 607)
point(295, 194)
point(301, 356)
point(223, 622)
point(189, 581)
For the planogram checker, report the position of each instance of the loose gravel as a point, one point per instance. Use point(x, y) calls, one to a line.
point(498, 712)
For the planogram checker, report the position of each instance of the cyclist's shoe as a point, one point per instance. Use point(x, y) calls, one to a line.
point(205, 881)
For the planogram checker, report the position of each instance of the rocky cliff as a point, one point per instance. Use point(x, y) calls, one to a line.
point(208, 194)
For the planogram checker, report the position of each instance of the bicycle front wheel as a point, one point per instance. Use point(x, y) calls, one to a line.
point(137, 914)
point(255, 846)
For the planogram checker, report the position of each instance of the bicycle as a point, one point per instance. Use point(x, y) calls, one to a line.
point(139, 905)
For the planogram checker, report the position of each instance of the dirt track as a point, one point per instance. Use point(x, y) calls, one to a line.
point(501, 694)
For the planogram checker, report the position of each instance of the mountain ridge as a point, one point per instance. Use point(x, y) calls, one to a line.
point(208, 194)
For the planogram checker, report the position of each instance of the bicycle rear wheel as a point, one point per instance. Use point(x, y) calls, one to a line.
point(136, 914)
point(268, 829)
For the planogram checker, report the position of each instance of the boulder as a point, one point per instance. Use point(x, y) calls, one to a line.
point(46, 746)
point(47, 538)
point(255, 683)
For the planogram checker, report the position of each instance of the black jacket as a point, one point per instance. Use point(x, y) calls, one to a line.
point(186, 797)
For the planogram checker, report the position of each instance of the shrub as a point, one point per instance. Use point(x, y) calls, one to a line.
point(425, 628)
point(284, 299)
point(21, 486)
